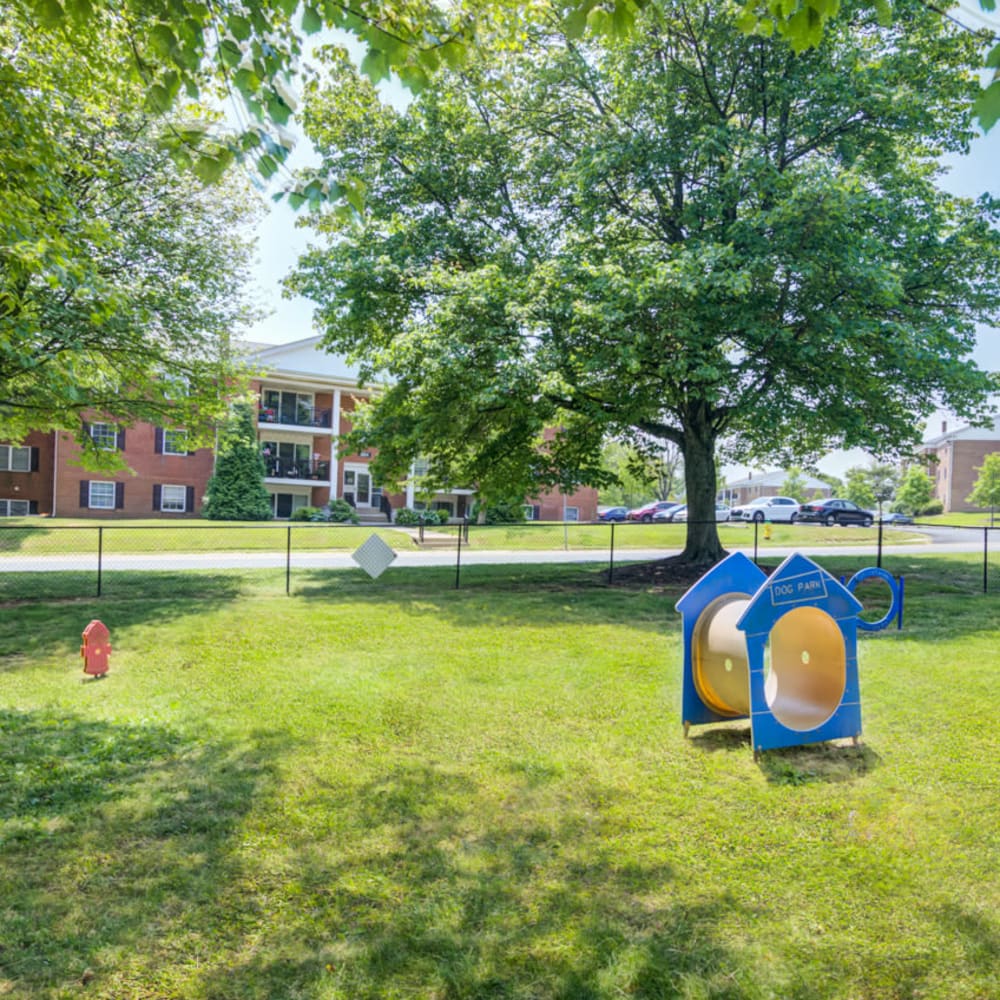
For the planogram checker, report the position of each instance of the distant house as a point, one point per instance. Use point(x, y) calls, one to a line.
point(953, 457)
point(769, 484)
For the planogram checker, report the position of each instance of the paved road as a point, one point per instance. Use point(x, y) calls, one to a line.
point(942, 540)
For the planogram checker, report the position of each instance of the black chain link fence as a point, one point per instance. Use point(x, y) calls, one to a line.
point(46, 560)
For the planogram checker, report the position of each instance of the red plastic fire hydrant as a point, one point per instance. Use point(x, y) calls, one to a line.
point(96, 648)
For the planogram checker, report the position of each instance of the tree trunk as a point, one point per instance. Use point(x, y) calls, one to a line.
point(702, 546)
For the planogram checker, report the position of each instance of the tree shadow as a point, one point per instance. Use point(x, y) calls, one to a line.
point(36, 628)
point(507, 595)
point(106, 831)
point(537, 904)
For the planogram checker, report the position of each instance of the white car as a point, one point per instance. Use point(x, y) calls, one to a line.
point(721, 513)
point(767, 509)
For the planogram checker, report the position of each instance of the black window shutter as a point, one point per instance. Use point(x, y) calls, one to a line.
point(121, 441)
point(34, 459)
point(157, 494)
point(189, 500)
point(158, 443)
point(85, 493)
point(537, 513)
point(32, 506)
point(119, 496)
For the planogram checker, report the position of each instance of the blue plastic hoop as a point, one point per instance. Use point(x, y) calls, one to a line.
point(873, 572)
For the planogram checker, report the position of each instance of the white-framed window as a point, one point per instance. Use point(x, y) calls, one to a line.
point(173, 499)
point(101, 496)
point(529, 512)
point(105, 437)
point(15, 508)
point(14, 459)
point(571, 513)
point(175, 442)
point(421, 466)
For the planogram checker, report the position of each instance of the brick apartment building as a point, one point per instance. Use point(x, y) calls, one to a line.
point(305, 401)
point(953, 457)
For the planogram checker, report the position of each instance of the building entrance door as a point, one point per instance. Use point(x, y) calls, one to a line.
point(359, 489)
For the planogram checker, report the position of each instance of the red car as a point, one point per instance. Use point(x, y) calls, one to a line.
point(645, 514)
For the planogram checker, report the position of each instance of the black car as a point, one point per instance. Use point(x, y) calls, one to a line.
point(833, 511)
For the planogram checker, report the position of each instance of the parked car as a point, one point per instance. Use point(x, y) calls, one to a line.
point(766, 509)
point(832, 510)
point(645, 514)
point(721, 513)
point(668, 513)
point(613, 514)
point(896, 518)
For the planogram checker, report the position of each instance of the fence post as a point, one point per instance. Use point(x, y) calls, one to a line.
point(611, 566)
point(878, 561)
point(756, 525)
point(458, 561)
point(100, 555)
point(288, 562)
point(986, 560)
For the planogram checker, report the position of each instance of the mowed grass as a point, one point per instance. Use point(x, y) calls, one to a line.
point(396, 789)
point(34, 537)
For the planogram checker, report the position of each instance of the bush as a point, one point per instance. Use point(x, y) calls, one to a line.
point(505, 512)
point(304, 514)
point(339, 511)
point(934, 507)
point(407, 517)
point(441, 516)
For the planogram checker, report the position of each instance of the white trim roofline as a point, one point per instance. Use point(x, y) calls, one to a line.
point(965, 434)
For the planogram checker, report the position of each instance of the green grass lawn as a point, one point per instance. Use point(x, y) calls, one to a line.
point(65, 536)
point(397, 789)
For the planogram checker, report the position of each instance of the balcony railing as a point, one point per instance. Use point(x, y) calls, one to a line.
point(295, 416)
point(281, 468)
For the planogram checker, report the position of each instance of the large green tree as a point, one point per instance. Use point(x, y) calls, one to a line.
point(691, 236)
point(986, 489)
point(915, 491)
point(121, 278)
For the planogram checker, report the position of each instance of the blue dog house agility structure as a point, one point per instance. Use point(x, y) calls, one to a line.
point(780, 650)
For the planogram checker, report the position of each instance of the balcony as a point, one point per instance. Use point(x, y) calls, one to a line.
point(295, 416)
point(281, 468)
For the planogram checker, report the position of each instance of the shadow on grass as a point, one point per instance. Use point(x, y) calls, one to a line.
point(818, 763)
point(447, 893)
point(498, 595)
point(43, 626)
point(108, 833)
point(810, 764)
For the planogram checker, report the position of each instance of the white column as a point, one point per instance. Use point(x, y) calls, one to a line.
point(410, 491)
point(334, 445)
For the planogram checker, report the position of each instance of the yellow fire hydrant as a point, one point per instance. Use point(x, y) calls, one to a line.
point(767, 531)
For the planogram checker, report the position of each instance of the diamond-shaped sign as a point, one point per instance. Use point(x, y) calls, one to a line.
point(374, 556)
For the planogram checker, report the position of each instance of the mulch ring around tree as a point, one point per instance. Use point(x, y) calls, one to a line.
point(672, 573)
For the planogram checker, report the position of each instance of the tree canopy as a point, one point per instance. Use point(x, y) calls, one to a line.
point(915, 491)
point(691, 235)
point(986, 489)
point(121, 278)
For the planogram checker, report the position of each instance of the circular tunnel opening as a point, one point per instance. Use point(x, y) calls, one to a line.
point(805, 668)
point(721, 670)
